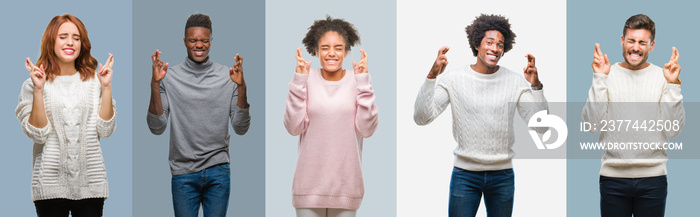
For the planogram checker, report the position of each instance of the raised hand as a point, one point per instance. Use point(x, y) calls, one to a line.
point(159, 69)
point(36, 73)
point(104, 74)
point(302, 66)
point(671, 69)
point(236, 72)
point(439, 64)
point(601, 64)
point(362, 66)
point(531, 71)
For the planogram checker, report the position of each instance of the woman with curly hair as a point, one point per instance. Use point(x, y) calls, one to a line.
point(65, 110)
point(332, 109)
point(483, 99)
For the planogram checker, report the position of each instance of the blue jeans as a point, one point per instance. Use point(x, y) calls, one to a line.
point(643, 197)
point(466, 188)
point(210, 187)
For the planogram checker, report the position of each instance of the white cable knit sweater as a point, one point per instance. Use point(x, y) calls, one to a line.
point(636, 95)
point(483, 107)
point(67, 155)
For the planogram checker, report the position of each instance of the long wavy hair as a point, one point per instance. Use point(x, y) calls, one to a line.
point(85, 63)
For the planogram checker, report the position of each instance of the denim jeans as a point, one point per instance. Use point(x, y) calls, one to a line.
point(623, 197)
point(91, 207)
point(210, 187)
point(466, 188)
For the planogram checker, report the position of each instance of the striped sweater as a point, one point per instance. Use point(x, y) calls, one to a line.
point(67, 158)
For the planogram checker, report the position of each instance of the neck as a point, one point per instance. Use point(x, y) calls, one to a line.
point(482, 68)
point(67, 68)
point(332, 76)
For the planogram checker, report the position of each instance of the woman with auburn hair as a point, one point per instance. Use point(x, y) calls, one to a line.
point(332, 109)
point(65, 107)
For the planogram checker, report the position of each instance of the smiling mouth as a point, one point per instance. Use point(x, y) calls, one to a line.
point(69, 51)
point(331, 61)
point(634, 56)
point(198, 53)
point(492, 56)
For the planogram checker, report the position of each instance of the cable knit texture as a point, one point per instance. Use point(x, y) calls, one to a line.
point(483, 107)
point(638, 95)
point(332, 118)
point(67, 159)
point(199, 98)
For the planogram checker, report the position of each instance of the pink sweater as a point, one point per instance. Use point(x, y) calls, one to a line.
point(332, 117)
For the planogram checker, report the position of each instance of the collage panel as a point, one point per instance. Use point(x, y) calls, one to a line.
point(108, 165)
point(206, 108)
point(592, 172)
point(478, 131)
point(324, 162)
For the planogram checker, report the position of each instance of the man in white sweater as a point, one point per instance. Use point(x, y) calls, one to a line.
point(483, 99)
point(633, 176)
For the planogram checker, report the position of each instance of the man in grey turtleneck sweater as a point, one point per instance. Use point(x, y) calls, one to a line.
point(200, 97)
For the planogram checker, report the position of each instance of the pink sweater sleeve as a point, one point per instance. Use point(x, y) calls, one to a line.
point(295, 118)
point(366, 116)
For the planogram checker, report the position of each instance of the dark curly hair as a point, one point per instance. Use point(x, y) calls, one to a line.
point(198, 20)
point(640, 21)
point(477, 30)
point(320, 27)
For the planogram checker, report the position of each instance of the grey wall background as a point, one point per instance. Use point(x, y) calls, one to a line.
point(109, 31)
point(286, 25)
point(601, 22)
point(238, 27)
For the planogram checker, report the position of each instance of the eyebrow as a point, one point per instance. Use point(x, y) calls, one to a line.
point(495, 39)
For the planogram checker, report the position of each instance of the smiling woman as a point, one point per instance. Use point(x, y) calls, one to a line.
point(72, 111)
point(333, 110)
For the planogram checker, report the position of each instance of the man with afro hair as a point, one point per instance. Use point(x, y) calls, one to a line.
point(200, 97)
point(483, 98)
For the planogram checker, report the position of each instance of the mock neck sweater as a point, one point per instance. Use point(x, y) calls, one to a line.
point(636, 95)
point(332, 118)
point(67, 161)
point(199, 99)
point(483, 107)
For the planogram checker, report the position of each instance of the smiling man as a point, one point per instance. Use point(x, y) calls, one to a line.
point(483, 99)
point(633, 181)
point(200, 97)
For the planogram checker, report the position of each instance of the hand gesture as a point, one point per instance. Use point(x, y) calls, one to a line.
point(159, 69)
point(104, 74)
point(531, 71)
point(671, 69)
point(361, 67)
point(439, 64)
point(236, 72)
point(302, 66)
point(601, 64)
point(36, 73)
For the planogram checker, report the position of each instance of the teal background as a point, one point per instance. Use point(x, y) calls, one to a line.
point(598, 21)
point(109, 30)
point(237, 27)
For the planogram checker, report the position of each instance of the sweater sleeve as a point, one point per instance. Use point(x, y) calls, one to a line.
point(105, 128)
point(24, 109)
point(431, 101)
point(158, 123)
point(240, 117)
point(672, 107)
point(366, 114)
point(596, 107)
point(295, 117)
point(530, 102)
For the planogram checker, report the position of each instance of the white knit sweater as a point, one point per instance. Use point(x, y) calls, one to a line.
point(483, 107)
point(67, 155)
point(636, 95)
